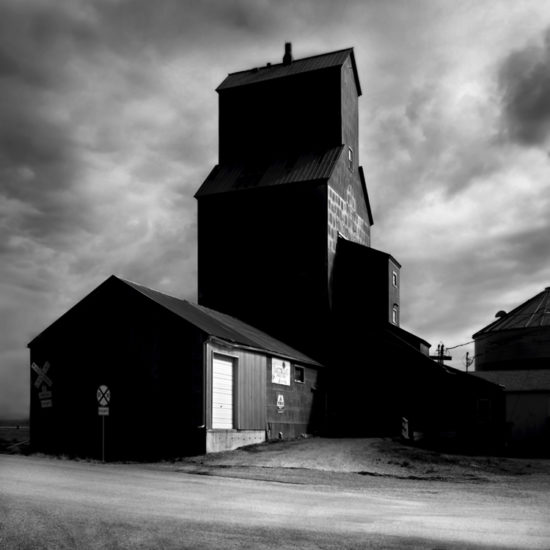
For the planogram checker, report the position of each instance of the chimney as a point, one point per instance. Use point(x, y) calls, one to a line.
point(287, 58)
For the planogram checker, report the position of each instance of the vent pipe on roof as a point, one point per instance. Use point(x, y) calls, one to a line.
point(500, 314)
point(287, 58)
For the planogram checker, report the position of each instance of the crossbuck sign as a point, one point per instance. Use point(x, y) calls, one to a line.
point(103, 395)
point(42, 379)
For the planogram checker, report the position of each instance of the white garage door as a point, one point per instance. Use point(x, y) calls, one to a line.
point(222, 394)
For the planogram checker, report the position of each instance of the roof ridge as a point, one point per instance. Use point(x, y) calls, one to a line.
point(273, 65)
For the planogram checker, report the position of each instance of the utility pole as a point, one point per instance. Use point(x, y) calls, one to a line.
point(442, 354)
point(468, 361)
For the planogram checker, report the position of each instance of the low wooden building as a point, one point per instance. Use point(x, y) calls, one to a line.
point(132, 373)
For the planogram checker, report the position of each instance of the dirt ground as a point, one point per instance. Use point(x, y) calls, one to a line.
point(323, 458)
point(315, 459)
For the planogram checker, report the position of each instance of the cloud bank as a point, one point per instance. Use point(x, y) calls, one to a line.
point(108, 125)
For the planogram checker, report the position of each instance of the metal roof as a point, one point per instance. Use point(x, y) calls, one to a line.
point(518, 380)
point(406, 335)
point(533, 313)
point(311, 166)
point(298, 66)
point(366, 250)
point(394, 340)
point(220, 325)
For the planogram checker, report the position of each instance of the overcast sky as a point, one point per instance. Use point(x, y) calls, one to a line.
point(108, 125)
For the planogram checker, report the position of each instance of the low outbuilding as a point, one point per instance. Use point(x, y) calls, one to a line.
point(132, 373)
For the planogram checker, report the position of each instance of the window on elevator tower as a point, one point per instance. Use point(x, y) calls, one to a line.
point(350, 158)
point(395, 314)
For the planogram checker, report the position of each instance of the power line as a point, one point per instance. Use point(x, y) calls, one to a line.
point(460, 345)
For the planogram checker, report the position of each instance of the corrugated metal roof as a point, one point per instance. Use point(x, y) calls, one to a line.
point(220, 325)
point(533, 313)
point(298, 66)
point(311, 166)
point(518, 380)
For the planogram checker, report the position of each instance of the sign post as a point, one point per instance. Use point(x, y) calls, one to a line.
point(103, 395)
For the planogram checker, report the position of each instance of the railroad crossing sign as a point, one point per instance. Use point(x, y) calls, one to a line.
point(43, 382)
point(42, 379)
point(103, 395)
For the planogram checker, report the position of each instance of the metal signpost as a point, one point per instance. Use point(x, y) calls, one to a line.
point(103, 395)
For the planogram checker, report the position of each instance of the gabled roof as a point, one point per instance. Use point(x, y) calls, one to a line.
point(518, 380)
point(220, 325)
point(298, 66)
point(533, 313)
point(309, 166)
point(213, 323)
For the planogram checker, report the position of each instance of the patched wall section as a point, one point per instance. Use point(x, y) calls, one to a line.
point(344, 218)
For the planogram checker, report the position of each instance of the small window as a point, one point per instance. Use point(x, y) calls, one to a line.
point(299, 375)
point(350, 158)
point(394, 278)
point(395, 314)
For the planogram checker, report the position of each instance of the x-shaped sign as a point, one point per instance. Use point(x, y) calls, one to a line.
point(103, 395)
point(42, 379)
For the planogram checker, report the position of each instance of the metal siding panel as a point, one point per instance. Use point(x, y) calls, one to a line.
point(251, 391)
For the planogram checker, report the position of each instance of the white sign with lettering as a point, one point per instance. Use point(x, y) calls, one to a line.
point(280, 372)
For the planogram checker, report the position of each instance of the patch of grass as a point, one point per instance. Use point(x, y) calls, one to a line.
point(14, 439)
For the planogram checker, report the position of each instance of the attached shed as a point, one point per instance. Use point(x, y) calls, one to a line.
point(527, 407)
point(137, 374)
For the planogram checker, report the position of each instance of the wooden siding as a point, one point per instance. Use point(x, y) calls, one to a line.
point(150, 360)
point(304, 403)
point(272, 244)
point(393, 291)
point(279, 116)
point(250, 383)
point(350, 110)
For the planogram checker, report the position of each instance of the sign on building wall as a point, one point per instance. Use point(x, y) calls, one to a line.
point(44, 385)
point(280, 372)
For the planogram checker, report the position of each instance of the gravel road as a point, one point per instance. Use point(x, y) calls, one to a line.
point(52, 503)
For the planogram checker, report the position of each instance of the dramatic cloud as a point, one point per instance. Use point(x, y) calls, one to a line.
point(524, 80)
point(108, 125)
